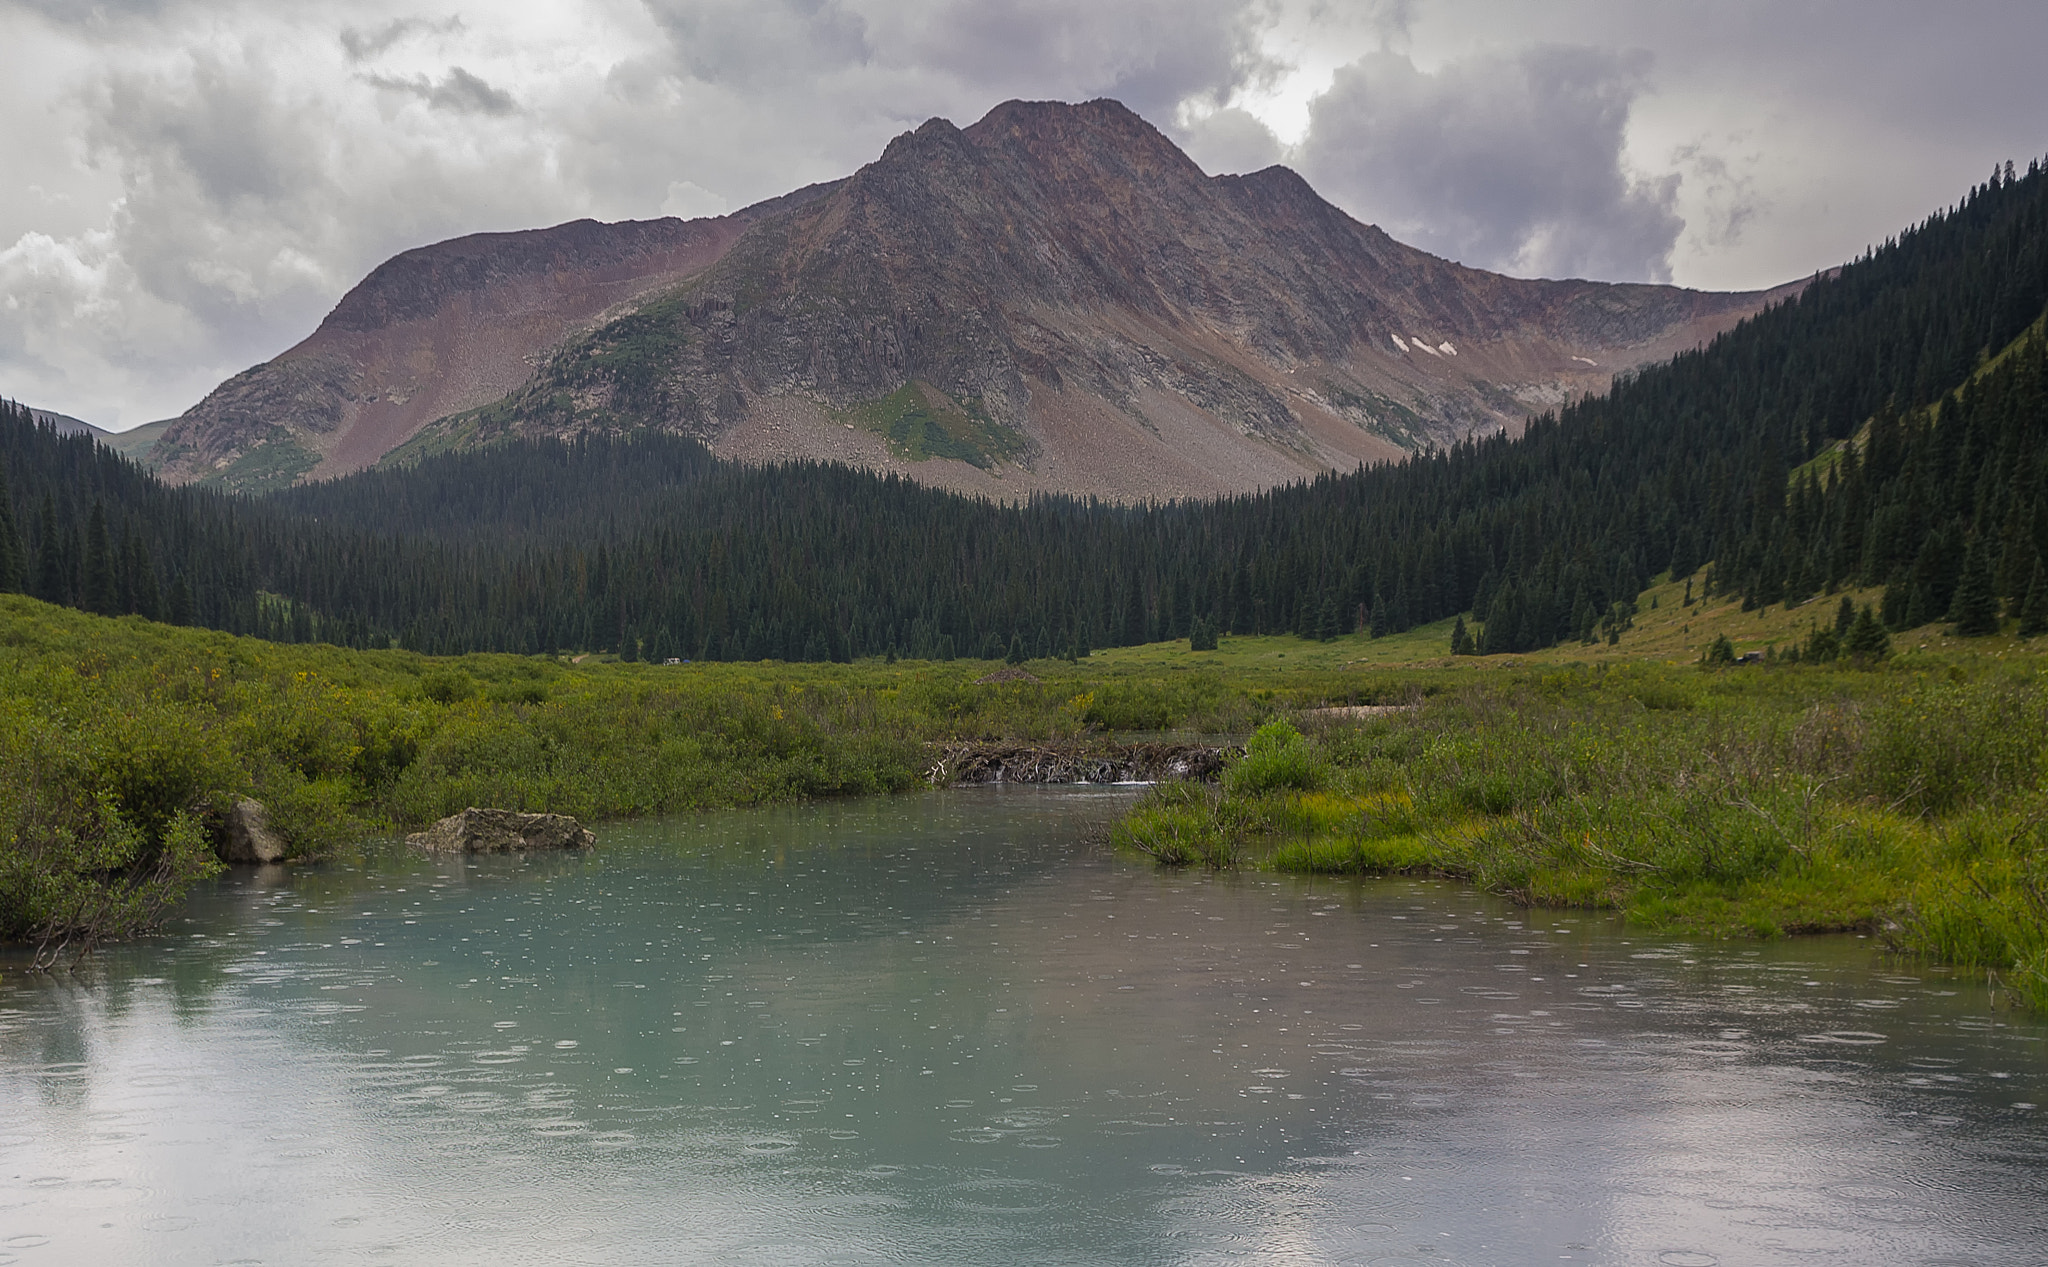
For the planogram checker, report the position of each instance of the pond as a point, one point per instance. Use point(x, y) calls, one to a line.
point(957, 1029)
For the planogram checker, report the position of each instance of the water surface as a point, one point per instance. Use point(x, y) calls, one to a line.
point(954, 1029)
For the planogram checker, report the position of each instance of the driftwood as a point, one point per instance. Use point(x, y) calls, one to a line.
point(1076, 761)
point(1356, 712)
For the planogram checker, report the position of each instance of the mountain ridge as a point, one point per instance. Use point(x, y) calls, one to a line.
point(1055, 298)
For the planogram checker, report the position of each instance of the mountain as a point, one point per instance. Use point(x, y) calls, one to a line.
point(66, 425)
point(135, 443)
point(1886, 427)
point(1056, 298)
point(433, 331)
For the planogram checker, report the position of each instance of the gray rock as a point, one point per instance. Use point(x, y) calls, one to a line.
point(249, 836)
point(500, 831)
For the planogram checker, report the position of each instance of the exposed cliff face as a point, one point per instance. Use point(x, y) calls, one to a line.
point(1055, 297)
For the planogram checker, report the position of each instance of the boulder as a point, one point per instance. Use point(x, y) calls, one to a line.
point(501, 831)
point(249, 837)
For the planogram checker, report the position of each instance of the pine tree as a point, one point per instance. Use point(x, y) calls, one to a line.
point(99, 593)
point(180, 602)
point(2034, 610)
point(1461, 639)
point(1327, 620)
point(52, 583)
point(1202, 635)
point(12, 571)
point(1867, 639)
point(1975, 606)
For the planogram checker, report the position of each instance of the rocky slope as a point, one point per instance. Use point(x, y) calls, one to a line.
point(1053, 298)
point(430, 332)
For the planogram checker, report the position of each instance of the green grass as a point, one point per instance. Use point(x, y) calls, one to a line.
point(138, 443)
point(123, 741)
point(1908, 802)
point(921, 422)
point(271, 466)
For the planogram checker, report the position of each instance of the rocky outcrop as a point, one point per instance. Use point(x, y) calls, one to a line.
point(248, 837)
point(502, 831)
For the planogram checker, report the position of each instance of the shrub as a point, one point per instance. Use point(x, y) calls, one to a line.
point(1276, 758)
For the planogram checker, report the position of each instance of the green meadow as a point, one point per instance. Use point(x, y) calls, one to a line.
point(1904, 802)
point(1904, 798)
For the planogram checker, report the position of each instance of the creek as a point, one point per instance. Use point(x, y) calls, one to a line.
point(955, 1028)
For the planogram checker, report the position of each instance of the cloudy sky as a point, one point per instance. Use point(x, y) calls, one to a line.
point(189, 185)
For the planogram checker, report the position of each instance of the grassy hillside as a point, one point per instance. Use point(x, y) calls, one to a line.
point(1666, 631)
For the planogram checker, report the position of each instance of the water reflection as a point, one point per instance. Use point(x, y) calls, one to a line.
point(948, 1029)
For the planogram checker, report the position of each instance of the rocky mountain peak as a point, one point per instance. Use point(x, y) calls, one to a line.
point(1054, 297)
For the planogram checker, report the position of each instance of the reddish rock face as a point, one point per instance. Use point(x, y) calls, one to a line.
point(1057, 287)
point(439, 330)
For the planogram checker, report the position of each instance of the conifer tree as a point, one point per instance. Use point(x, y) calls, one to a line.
point(52, 585)
point(1975, 607)
point(100, 593)
point(2034, 610)
point(1867, 639)
point(11, 563)
point(179, 605)
point(1461, 638)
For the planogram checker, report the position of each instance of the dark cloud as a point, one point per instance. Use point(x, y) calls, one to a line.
point(1230, 140)
point(458, 90)
point(754, 43)
point(1505, 161)
point(1152, 55)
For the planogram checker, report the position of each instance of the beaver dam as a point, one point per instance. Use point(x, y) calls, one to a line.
point(1075, 761)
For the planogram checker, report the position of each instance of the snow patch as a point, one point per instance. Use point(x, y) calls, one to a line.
point(1446, 348)
point(1398, 343)
point(1585, 360)
point(1423, 345)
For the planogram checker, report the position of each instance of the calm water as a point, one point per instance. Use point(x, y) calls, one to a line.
point(948, 1029)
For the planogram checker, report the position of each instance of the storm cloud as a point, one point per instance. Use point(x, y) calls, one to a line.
point(194, 183)
point(1508, 161)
